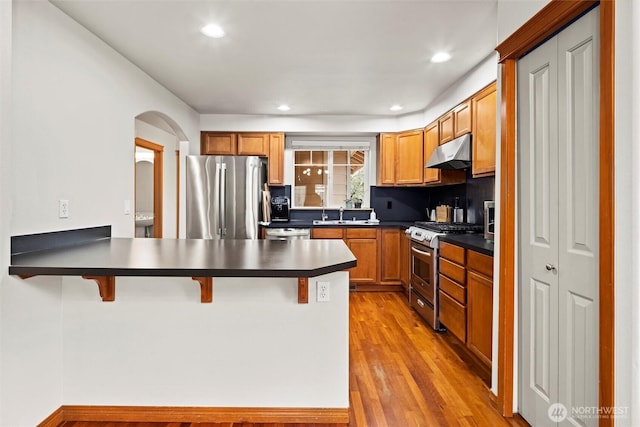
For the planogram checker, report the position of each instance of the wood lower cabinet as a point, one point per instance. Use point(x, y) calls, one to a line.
point(382, 253)
point(276, 159)
point(466, 297)
point(453, 309)
point(389, 247)
point(405, 262)
point(483, 143)
point(480, 305)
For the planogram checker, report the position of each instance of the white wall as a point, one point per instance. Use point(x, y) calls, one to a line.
point(5, 164)
point(513, 13)
point(72, 130)
point(627, 213)
point(254, 346)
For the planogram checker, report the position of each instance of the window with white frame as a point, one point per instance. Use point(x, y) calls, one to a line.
point(326, 176)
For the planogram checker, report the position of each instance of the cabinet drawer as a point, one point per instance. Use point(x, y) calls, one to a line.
point(453, 271)
point(454, 316)
point(362, 233)
point(480, 263)
point(454, 290)
point(452, 252)
point(326, 233)
point(424, 309)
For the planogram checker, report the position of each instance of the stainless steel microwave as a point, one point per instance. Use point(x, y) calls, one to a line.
point(489, 219)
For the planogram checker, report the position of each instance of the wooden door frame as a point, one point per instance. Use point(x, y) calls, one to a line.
point(158, 155)
point(552, 18)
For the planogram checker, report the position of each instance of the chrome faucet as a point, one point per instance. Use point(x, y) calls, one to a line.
point(324, 215)
point(341, 212)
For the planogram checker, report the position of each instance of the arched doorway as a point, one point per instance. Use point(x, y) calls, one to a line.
point(157, 170)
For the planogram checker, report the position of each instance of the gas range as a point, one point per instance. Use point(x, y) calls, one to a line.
point(428, 233)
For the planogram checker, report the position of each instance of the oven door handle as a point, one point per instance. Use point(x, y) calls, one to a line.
point(413, 249)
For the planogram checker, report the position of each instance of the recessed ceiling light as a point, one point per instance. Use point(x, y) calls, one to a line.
point(396, 107)
point(284, 107)
point(440, 57)
point(213, 30)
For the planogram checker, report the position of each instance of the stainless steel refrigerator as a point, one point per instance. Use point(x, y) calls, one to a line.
point(224, 196)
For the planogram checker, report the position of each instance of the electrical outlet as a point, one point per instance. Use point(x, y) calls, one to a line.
point(322, 289)
point(63, 208)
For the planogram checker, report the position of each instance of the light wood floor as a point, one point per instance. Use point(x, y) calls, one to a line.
point(401, 374)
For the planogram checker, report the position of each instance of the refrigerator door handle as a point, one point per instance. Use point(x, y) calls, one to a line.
point(223, 199)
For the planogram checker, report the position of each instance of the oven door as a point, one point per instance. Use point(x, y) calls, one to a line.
point(423, 287)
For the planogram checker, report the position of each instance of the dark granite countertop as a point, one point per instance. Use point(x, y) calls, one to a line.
point(475, 242)
point(306, 223)
point(183, 258)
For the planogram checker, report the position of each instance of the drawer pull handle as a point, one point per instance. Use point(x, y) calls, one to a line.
point(420, 303)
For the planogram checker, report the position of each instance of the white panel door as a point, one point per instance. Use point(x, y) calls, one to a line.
point(578, 109)
point(538, 230)
point(558, 190)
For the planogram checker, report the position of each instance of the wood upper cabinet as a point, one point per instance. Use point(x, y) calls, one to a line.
point(276, 159)
point(434, 176)
point(431, 142)
point(462, 119)
point(447, 130)
point(390, 264)
point(409, 155)
point(218, 143)
point(483, 151)
point(387, 159)
point(253, 144)
point(480, 305)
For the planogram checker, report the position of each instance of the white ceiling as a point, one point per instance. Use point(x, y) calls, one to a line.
point(318, 56)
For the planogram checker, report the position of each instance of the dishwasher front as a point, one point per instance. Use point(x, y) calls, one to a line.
point(287, 233)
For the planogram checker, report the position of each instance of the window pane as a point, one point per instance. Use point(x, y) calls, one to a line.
point(340, 157)
point(356, 157)
point(303, 157)
point(310, 185)
point(340, 179)
point(319, 157)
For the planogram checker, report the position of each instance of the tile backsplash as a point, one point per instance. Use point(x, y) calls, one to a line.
point(411, 203)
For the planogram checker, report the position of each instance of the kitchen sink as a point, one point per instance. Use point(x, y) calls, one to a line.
point(345, 222)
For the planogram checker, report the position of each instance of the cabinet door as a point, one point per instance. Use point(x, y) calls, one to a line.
point(462, 119)
point(387, 159)
point(483, 143)
point(327, 233)
point(276, 159)
point(454, 316)
point(405, 261)
point(409, 147)
point(431, 142)
point(446, 127)
point(253, 144)
point(479, 315)
point(366, 252)
point(389, 255)
point(218, 143)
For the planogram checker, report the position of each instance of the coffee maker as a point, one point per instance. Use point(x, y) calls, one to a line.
point(280, 206)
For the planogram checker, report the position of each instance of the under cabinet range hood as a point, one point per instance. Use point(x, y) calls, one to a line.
point(454, 154)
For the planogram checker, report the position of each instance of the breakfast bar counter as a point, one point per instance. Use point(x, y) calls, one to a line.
point(93, 254)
